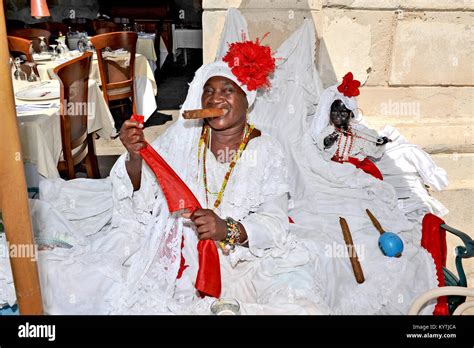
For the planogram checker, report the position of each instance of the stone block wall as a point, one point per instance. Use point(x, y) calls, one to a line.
point(415, 57)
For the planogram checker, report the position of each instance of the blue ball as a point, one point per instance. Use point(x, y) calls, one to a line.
point(391, 244)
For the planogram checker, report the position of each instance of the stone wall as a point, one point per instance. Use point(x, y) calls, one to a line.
point(415, 57)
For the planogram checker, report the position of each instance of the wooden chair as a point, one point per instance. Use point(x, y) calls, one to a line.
point(32, 34)
point(77, 143)
point(18, 45)
point(117, 78)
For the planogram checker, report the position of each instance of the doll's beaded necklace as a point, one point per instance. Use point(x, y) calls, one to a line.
point(341, 156)
point(350, 132)
point(205, 141)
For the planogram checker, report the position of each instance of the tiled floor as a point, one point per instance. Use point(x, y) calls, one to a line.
point(173, 79)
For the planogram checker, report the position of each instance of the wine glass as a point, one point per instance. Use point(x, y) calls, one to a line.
point(19, 74)
point(61, 50)
point(89, 46)
point(11, 65)
point(43, 45)
point(54, 53)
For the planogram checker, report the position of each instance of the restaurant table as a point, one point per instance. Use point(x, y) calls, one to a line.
point(145, 84)
point(185, 38)
point(146, 47)
point(40, 129)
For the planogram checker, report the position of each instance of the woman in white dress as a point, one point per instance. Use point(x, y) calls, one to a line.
point(146, 259)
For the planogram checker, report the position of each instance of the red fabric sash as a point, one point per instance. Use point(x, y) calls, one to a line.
point(366, 165)
point(179, 196)
point(433, 239)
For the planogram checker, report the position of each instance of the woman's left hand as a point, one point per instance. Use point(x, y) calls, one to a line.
point(209, 225)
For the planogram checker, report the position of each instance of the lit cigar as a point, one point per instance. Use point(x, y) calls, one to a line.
point(204, 113)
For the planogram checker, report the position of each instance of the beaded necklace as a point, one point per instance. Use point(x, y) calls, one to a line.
point(354, 134)
point(341, 156)
point(205, 141)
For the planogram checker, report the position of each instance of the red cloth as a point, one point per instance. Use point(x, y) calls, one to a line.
point(182, 264)
point(366, 165)
point(433, 239)
point(179, 196)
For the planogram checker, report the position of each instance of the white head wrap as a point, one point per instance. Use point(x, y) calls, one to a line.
point(321, 119)
point(218, 68)
point(191, 129)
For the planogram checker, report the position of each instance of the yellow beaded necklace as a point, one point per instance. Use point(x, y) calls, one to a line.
point(205, 141)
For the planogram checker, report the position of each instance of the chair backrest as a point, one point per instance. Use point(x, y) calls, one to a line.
point(32, 34)
point(74, 77)
point(116, 70)
point(429, 295)
point(19, 46)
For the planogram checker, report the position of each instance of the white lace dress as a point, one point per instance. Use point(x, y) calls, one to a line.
point(131, 265)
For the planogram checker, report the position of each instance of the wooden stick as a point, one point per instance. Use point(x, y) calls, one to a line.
point(376, 223)
point(13, 192)
point(356, 267)
point(204, 113)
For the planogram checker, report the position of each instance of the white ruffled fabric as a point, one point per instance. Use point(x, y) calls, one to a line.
point(409, 170)
point(322, 191)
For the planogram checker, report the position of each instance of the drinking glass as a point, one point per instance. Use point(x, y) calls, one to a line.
point(19, 74)
point(54, 53)
point(224, 306)
point(43, 45)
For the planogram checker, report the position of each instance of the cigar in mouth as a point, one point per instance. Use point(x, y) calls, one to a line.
point(204, 113)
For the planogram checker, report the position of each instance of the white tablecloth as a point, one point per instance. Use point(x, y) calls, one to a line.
point(145, 47)
point(40, 130)
point(145, 84)
point(186, 38)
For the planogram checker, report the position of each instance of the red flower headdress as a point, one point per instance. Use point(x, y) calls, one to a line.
point(349, 87)
point(251, 63)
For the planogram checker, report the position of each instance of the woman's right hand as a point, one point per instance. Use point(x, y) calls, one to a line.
point(132, 137)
